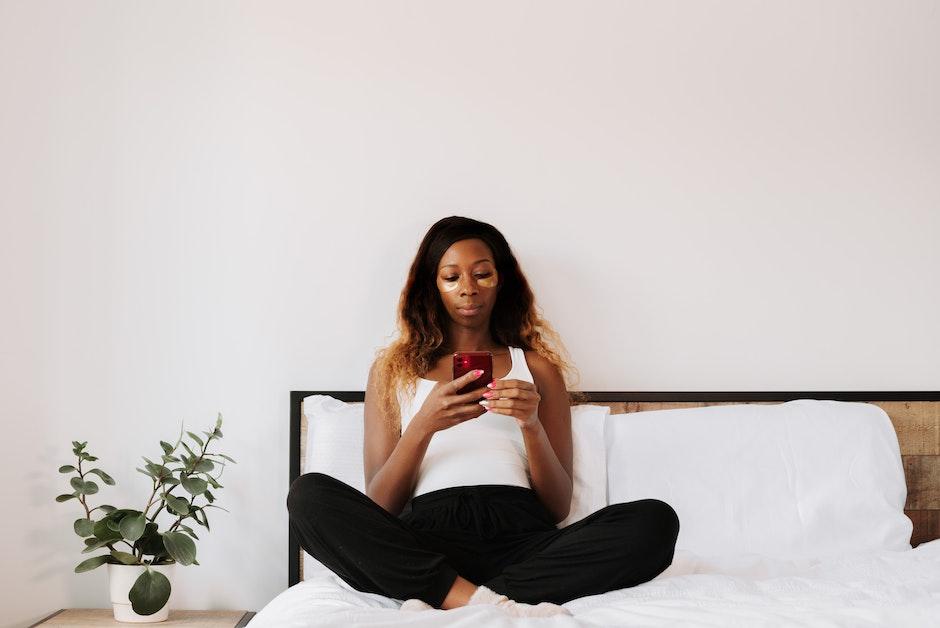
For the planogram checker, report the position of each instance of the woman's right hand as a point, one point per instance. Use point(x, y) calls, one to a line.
point(443, 408)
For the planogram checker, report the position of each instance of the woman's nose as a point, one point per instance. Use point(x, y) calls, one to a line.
point(467, 287)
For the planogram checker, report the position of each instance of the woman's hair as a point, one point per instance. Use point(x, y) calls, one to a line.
point(515, 319)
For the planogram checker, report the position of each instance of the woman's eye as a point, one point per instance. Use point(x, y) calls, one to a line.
point(456, 278)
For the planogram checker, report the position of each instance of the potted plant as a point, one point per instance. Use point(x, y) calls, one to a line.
point(140, 557)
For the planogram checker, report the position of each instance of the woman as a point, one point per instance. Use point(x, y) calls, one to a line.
point(487, 473)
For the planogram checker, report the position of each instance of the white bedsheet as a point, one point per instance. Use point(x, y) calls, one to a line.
point(879, 588)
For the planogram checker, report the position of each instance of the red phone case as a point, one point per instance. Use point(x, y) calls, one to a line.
point(466, 361)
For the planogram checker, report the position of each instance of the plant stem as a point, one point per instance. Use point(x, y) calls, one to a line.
point(81, 497)
point(150, 500)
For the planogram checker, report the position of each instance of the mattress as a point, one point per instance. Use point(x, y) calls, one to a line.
point(875, 588)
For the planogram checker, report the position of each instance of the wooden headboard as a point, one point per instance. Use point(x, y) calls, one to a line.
point(915, 416)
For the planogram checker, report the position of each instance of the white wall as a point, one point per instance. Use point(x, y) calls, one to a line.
point(207, 205)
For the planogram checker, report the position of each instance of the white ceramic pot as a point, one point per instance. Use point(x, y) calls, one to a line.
point(122, 578)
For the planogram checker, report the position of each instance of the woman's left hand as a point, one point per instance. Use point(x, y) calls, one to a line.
point(516, 398)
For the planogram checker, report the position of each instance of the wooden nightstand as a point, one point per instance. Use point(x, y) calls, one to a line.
point(94, 617)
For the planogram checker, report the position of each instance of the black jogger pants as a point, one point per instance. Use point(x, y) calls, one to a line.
point(496, 535)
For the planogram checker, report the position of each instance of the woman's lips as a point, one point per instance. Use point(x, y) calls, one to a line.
point(469, 311)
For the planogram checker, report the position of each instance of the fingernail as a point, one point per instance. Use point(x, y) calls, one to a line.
point(488, 394)
point(478, 372)
point(484, 403)
point(491, 385)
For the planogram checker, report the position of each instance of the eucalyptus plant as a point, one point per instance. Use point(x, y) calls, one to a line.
point(138, 530)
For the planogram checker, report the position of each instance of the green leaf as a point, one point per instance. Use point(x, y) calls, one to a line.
point(116, 517)
point(107, 508)
point(180, 547)
point(189, 531)
point(226, 457)
point(124, 558)
point(196, 438)
point(84, 526)
point(98, 544)
point(67, 468)
point(83, 487)
point(158, 470)
point(167, 447)
point(204, 466)
point(104, 532)
point(132, 527)
point(91, 563)
point(186, 447)
point(209, 496)
point(177, 505)
point(150, 592)
point(107, 479)
point(147, 473)
point(218, 421)
point(208, 435)
point(151, 542)
point(122, 512)
point(194, 486)
point(204, 522)
point(214, 506)
point(171, 481)
point(167, 458)
point(65, 497)
point(90, 541)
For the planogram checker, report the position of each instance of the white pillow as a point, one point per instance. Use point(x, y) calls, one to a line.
point(805, 478)
point(589, 461)
point(333, 446)
point(335, 437)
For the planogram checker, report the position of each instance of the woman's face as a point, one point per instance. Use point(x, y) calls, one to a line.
point(468, 282)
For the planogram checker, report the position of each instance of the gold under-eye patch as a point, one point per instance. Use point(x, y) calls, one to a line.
point(489, 281)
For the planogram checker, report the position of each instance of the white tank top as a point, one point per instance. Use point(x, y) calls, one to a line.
point(489, 449)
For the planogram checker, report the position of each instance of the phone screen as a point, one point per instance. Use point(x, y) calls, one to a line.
point(466, 361)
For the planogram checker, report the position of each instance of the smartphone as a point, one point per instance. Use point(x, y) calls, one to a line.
point(466, 361)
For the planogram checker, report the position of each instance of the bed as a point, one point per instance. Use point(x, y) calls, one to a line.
point(796, 509)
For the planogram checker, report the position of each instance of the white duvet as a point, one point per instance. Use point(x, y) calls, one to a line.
point(878, 588)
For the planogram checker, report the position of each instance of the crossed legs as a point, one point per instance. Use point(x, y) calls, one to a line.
point(618, 546)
